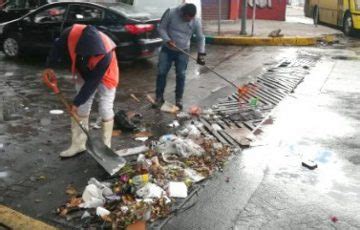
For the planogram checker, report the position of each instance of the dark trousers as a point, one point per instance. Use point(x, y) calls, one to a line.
point(166, 58)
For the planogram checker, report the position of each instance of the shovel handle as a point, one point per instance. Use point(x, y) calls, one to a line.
point(50, 80)
point(206, 67)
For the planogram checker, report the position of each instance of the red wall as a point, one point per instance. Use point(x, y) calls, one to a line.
point(210, 9)
point(276, 12)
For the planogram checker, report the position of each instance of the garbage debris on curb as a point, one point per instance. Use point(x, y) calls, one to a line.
point(174, 124)
point(309, 164)
point(56, 112)
point(148, 189)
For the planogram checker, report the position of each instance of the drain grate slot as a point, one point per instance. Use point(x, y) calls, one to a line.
point(272, 86)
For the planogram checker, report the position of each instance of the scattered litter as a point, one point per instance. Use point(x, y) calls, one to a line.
point(218, 146)
point(116, 133)
point(132, 151)
point(150, 190)
point(4, 174)
point(143, 134)
point(134, 97)
point(92, 197)
point(216, 127)
point(104, 187)
point(150, 99)
point(169, 108)
point(113, 198)
point(86, 215)
point(134, 117)
point(309, 164)
point(147, 189)
point(174, 124)
point(42, 178)
point(168, 137)
point(183, 116)
point(276, 33)
point(139, 225)
point(9, 74)
point(140, 180)
point(71, 190)
point(241, 135)
point(121, 121)
point(56, 112)
point(179, 146)
point(254, 101)
point(194, 132)
point(193, 175)
point(334, 219)
point(216, 89)
point(177, 189)
point(143, 164)
point(143, 139)
point(195, 111)
point(100, 211)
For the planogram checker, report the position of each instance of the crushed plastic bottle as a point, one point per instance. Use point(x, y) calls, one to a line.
point(140, 180)
point(254, 101)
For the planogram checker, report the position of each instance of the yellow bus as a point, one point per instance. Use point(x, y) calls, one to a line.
point(342, 13)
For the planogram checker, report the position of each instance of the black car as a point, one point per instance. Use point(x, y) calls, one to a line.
point(13, 9)
point(135, 33)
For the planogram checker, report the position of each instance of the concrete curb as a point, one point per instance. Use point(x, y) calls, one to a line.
point(269, 41)
point(14, 220)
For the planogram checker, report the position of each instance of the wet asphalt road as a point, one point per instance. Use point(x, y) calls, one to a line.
point(268, 189)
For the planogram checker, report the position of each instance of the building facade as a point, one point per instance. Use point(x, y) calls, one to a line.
point(231, 9)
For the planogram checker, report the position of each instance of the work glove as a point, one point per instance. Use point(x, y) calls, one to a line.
point(201, 58)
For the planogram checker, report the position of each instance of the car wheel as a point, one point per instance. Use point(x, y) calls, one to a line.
point(11, 47)
point(316, 16)
point(348, 28)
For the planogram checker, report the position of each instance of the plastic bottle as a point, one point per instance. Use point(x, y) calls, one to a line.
point(140, 180)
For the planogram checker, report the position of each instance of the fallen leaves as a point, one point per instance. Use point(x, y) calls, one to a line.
point(71, 191)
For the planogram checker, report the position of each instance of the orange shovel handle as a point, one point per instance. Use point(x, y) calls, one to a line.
point(50, 80)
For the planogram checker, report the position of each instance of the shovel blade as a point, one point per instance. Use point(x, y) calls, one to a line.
point(105, 156)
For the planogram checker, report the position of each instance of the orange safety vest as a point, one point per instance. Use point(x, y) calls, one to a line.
point(111, 76)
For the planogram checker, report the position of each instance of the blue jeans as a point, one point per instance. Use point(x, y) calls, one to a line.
point(166, 58)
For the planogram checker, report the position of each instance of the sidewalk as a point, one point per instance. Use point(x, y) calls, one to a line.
point(297, 30)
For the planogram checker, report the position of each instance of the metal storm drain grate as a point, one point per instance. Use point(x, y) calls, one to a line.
point(236, 117)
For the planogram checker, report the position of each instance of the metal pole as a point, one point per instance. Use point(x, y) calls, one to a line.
point(219, 17)
point(253, 18)
point(243, 17)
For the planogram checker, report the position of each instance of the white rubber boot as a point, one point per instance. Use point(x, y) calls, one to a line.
point(107, 129)
point(78, 138)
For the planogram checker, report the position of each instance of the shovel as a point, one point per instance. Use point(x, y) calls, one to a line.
point(106, 157)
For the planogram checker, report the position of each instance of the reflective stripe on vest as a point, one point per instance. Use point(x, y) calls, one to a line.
point(111, 76)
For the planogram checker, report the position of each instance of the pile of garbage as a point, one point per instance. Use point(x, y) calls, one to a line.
point(147, 189)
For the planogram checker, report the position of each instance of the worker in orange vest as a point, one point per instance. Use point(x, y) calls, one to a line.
point(95, 69)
